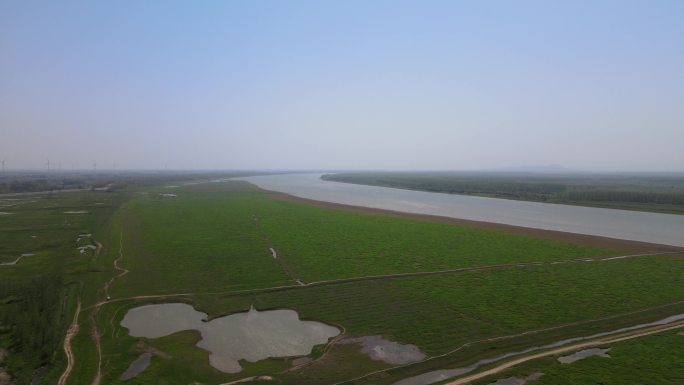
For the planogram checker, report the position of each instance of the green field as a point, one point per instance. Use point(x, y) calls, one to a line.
point(209, 247)
point(217, 237)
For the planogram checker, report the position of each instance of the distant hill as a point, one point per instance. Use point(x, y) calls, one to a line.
point(550, 168)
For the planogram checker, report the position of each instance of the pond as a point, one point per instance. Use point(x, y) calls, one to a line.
point(381, 349)
point(251, 336)
point(569, 359)
point(137, 366)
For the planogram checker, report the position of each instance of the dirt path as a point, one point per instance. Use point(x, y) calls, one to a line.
point(566, 349)
point(122, 270)
point(289, 271)
point(96, 337)
point(71, 332)
point(14, 262)
point(249, 379)
point(98, 250)
point(301, 284)
point(94, 331)
point(486, 267)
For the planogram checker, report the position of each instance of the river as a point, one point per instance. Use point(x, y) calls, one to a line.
point(667, 229)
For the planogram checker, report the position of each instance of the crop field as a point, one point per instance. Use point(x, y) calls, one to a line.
point(195, 243)
point(484, 292)
point(226, 231)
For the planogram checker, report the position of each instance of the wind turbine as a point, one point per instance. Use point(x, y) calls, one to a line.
point(3, 166)
point(48, 165)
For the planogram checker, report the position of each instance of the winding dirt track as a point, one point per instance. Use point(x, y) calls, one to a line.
point(122, 270)
point(95, 333)
point(278, 258)
point(382, 277)
point(96, 337)
point(566, 349)
point(71, 332)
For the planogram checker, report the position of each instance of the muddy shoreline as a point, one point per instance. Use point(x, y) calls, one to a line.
point(582, 239)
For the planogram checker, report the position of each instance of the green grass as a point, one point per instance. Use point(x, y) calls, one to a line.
point(325, 244)
point(197, 242)
point(217, 238)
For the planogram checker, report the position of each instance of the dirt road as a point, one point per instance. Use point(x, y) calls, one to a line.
point(71, 332)
point(301, 284)
point(94, 332)
point(566, 349)
point(122, 270)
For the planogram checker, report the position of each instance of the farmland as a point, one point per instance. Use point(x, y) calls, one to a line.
point(439, 286)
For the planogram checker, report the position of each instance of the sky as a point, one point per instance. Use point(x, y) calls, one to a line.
point(405, 85)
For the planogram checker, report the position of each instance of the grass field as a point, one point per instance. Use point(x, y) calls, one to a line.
point(204, 241)
point(209, 247)
point(222, 233)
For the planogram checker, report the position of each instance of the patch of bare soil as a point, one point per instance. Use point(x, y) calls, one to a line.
point(380, 349)
point(5, 378)
point(143, 347)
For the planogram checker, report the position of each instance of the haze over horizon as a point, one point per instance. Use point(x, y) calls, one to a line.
point(394, 85)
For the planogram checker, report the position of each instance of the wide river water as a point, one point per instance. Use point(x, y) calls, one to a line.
point(659, 228)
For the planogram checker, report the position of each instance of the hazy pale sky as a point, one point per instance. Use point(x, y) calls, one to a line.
point(591, 85)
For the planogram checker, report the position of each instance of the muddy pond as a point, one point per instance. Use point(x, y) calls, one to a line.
point(582, 354)
point(251, 336)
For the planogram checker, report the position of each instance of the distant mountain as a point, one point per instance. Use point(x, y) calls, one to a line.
point(549, 168)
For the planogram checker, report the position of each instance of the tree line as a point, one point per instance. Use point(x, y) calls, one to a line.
point(31, 312)
point(540, 189)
